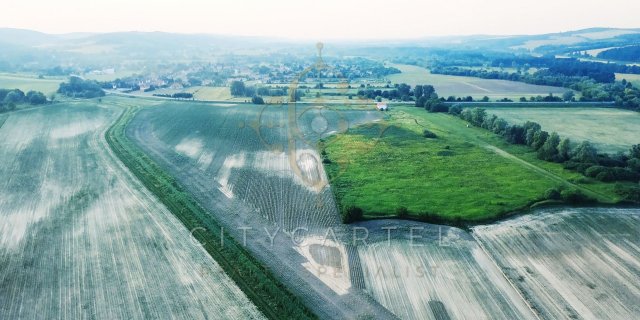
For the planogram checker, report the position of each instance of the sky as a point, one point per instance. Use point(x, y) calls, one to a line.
point(321, 19)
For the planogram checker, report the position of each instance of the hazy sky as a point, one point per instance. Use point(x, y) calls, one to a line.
point(321, 19)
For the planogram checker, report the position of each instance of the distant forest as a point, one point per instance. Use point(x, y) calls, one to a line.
point(630, 53)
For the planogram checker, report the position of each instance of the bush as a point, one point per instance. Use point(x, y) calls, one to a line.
point(402, 212)
point(352, 214)
point(574, 196)
point(552, 194)
point(257, 100)
point(630, 193)
point(428, 134)
point(605, 176)
point(455, 109)
point(612, 174)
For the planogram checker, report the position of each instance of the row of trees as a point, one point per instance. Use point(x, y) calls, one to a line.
point(584, 158)
point(10, 98)
point(240, 89)
point(623, 93)
point(177, 95)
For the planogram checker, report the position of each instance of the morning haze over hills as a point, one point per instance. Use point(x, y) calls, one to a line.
point(196, 176)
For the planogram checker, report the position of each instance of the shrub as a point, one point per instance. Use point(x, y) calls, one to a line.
point(428, 134)
point(574, 196)
point(552, 194)
point(257, 100)
point(352, 214)
point(628, 192)
point(402, 212)
point(605, 176)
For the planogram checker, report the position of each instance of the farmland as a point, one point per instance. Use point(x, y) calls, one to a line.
point(82, 238)
point(28, 82)
point(237, 162)
point(463, 174)
point(633, 78)
point(584, 123)
point(571, 263)
point(443, 275)
point(458, 86)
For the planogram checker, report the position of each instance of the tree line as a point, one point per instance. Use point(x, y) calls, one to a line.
point(11, 98)
point(623, 93)
point(630, 53)
point(177, 95)
point(583, 158)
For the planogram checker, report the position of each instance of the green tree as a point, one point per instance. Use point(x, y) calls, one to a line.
point(564, 149)
point(34, 97)
point(237, 88)
point(257, 100)
point(539, 138)
point(635, 151)
point(568, 96)
point(485, 99)
point(549, 150)
point(417, 91)
point(585, 153)
point(14, 96)
point(478, 115)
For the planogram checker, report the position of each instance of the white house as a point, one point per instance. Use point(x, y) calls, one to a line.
point(382, 106)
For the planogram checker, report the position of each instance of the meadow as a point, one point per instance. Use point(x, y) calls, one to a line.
point(465, 174)
point(609, 129)
point(446, 85)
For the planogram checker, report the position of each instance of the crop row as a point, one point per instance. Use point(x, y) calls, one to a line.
point(258, 283)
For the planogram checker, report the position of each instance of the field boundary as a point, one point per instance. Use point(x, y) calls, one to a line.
point(270, 296)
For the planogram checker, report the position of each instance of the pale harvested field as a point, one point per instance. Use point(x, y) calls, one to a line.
point(29, 82)
point(80, 238)
point(572, 263)
point(211, 93)
point(237, 161)
point(609, 129)
point(444, 275)
point(633, 78)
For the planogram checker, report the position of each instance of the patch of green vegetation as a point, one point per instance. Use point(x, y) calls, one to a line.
point(255, 280)
point(465, 174)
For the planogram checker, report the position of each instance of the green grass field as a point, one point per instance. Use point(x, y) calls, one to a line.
point(465, 173)
point(26, 82)
point(469, 86)
point(611, 130)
